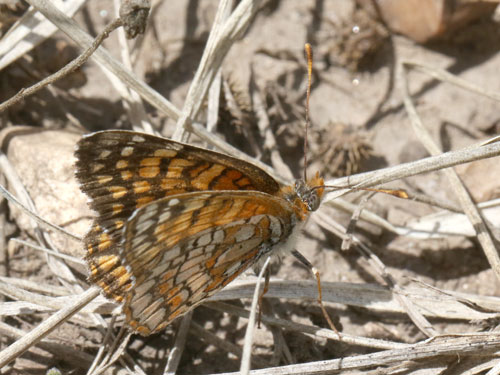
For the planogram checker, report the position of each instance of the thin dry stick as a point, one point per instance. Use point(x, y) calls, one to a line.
point(35, 286)
point(373, 297)
point(213, 102)
point(116, 350)
point(221, 38)
point(313, 331)
point(100, 353)
point(30, 26)
point(414, 314)
point(470, 209)
point(60, 269)
point(445, 76)
point(70, 67)
point(34, 216)
point(202, 81)
point(265, 130)
point(174, 358)
point(247, 346)
point(452, 345)
point(103, 57)
point(495, 370)
point(133, 104)
point(198, 331)
point(478, 366)
point(46, 327)
point(48, 251)
point(215, 86)
point(349, 232)
point(74, 357)
point(98, 361)
point(430, 164)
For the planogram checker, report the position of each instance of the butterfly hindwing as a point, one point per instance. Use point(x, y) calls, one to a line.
point(184, 248)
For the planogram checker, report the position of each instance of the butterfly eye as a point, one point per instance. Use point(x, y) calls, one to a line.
point(312, 201)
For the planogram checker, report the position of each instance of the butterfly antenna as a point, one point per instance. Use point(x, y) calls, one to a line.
point(309, 56)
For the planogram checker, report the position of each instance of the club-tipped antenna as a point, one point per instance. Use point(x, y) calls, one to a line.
point(309, 56)
point(398, 193)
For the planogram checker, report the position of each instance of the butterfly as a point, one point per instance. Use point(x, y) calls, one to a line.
point(176, 223)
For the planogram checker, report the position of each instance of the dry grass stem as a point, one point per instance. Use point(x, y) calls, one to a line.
point(72, 66)
point(483, 233)
point(175, 355)
point(46, 327)
point(31, 30)
point(249, 334)
point(73, 30)
point(441, 346)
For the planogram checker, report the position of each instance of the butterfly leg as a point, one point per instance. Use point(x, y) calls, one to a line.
point(315, 273)
point(267, 276)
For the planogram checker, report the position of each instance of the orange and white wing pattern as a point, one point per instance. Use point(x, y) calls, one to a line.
point(175, 223)
point(122, 171)
point(184, 248)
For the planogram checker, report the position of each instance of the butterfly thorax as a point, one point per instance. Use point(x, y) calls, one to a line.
point(305, 196)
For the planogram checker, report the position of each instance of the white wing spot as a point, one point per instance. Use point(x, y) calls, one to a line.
point(144, 225)
point(149, 211)
point(236, 223)
point(196, 282)
point(218, 237)
point(138, 240)
point(195, 252)
point(205, 239)
point(127, 151)
point(156, 319)
point(173, 202)
point(198, 295)
point(97, 167)
point(209, 249)
point(143, 288)
point(160, 269)
point(140, 248)
point(164, 216)
point(245, 232)
point(183, 276)
point(172, 253)
point(192, 262)
point(104, 154)
point(138, 139)
point(139, 304)
point(255, 220)
point(151, 309)
point(275, 226)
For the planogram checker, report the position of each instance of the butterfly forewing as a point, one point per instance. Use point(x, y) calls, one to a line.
point(123, 171)
point(183, 248)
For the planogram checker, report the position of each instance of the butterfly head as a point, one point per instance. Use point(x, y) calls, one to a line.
point(310, 192)
point(305, 195)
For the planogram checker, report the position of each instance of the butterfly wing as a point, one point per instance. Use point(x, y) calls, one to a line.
point(184, 248)
point(123, 171)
